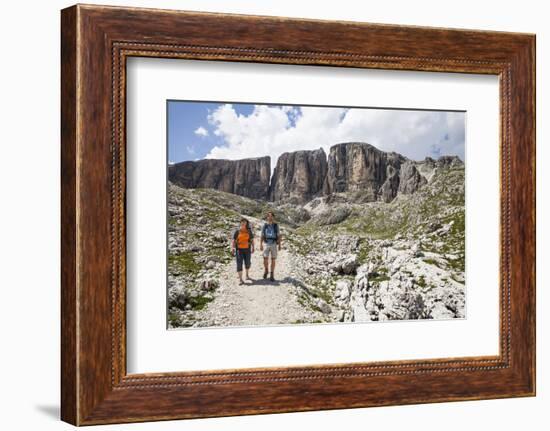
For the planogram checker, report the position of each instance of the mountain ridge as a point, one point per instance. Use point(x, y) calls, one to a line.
point(302, 175)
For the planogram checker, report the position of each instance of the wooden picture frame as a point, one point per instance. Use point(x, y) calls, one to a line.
point(95, 43)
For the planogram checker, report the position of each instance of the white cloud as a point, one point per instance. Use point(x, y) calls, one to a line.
point(201, 131)
point(273, 130)
point(190, 149)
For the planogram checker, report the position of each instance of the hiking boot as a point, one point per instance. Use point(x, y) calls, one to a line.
point(271, 278)
point(265, 274)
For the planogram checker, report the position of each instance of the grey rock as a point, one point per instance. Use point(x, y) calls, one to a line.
point(397, 301)
point(345, 243)
point(358, 166)
point(346, 264)
point(416, 250)
point(245, 177)
point(195, 248)
point(208, 283)
point(214, 258)
point(323, 306)
point(220, 237)
point(449, 161)
point(350, 264)
point(429, 162)
point(299, 176)
point(440, 311)
point(361, 167)
point(333, 215)
point(178, 297)
point(410, 179)
point(343, 290)
point(389, 189)
point(362, 278)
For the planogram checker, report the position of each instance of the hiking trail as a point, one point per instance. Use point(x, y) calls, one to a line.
point(257, 302)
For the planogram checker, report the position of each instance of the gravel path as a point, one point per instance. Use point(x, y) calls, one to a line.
point(257, 302)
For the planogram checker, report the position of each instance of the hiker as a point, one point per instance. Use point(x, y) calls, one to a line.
point(242, 246)
point(272, 239)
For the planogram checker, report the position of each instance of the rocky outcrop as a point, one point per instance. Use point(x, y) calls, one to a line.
point(391, 186)
point(410, 179)
point(358, 166)
point(299, 176)
point(245, 177)
point(449, 162)
point(443, 162)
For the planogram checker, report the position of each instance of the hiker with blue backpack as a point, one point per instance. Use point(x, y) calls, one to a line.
point(272, 239)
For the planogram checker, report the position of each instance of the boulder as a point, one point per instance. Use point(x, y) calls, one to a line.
point(398, 301)
point(178, 297)
point(208, 283)
point(439, 311)
point(323, 306)
point(343, 290)
point(362, 278)
point(345, 243)
point(346, 264)
point(333, 215)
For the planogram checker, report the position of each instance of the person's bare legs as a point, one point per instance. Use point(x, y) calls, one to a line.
point(240, 273)
point(272, 276)
point(266, 269)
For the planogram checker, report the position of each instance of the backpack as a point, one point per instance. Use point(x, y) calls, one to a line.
point(275, 233)
point(250, 235)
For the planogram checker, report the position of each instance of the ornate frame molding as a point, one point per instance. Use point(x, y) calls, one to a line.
point(96, 41)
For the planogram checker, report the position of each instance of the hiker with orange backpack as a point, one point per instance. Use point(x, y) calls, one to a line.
point(242, 246)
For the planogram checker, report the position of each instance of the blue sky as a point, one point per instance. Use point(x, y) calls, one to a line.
point(198, 130)
point(184, 118)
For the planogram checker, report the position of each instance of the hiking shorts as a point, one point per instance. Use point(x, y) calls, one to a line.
point(243, 254)
point(270, 248)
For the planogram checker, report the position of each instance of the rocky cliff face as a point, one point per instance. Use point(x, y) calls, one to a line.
point(410, 179)
point(245, 177)
point(358, 166)
point(299, 176)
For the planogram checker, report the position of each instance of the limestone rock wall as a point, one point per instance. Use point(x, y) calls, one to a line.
point(299, 176)
point(245, 177)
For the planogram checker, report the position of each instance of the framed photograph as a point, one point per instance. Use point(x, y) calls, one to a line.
point(265, 214)
point(369, 234)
